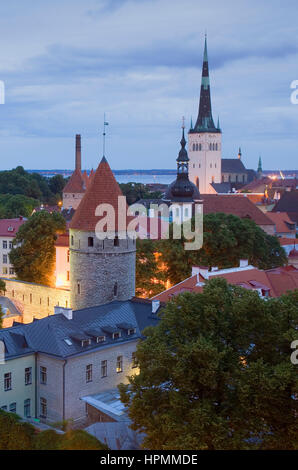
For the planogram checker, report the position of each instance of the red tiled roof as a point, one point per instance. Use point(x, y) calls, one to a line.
point(286, 241)
point(281, 219)
point(76, 183)
point(103, 189)
point(277, 281)
point(63, 240)
point(237, 205)
point(10, 227)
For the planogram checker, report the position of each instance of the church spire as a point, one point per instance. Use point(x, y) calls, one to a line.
point(205, 121)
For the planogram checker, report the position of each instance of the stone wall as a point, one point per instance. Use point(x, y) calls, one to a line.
point(100, 273)
point(34, 300)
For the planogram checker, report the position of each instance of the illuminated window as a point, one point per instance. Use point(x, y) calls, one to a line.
point(119, 364)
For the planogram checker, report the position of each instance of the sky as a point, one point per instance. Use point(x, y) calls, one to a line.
point(65, 63)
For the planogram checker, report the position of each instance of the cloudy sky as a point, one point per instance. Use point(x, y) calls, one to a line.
point(66, 62)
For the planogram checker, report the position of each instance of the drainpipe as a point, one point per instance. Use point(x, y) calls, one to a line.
point(63, 391)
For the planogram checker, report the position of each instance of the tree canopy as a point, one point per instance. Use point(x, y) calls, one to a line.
point(216, 373)
point(226, 240)
point(150, 278)
point(18, 435)
point(136, 191)
point(33, 253)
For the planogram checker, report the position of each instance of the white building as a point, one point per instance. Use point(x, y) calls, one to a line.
point(8, 231)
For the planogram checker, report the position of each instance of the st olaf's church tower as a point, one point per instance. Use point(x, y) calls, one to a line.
point(204, 140)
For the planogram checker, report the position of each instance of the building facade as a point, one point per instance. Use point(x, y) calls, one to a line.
point(8, 231)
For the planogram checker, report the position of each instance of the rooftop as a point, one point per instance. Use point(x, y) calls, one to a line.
point(10, 227)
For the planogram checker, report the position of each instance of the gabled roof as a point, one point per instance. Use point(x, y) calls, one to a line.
point(288, 202)
point(232, 165)
point(10, 227)
point(76, 183)
point(234, 204)
point(103, 189)
point(282, 221)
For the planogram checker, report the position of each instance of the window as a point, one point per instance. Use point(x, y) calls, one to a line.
point(30, 298)
point(48, 301)
point(194, 165)
point(4, 244)
point(71, 240)
point(119, 364)
point(177, 212)
point(13, 407)
point(4, 259)
point(7, 382)
point(28, 376)
point(90, 241)
point(104, 368)
point(186, 212)
point(116, 335)
point(11, 271)
point(193, 147)
point(67, 275)
point(115, 289)
point(68, 256)
point(134, 360)
point(89, 373)
point(116, 241)
point(43, 375)
point(100, 339)
point(85, 342)
point(197, 147)
point(200, 147)
point(131, 331)
point(4, 408)
point(4, 270)
point(79, 288)
point(27, 408)
point(43, 407)
point(10, 245)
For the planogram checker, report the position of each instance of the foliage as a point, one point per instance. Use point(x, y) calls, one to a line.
point(18, 435)
point(1, 317)
point(32, 185)
point(149, 277)
point(216, 373)
point(2, 287)
point(226, 240)
point(15, 435)
point(33, 253)
point(137, 191)
point(13, 206)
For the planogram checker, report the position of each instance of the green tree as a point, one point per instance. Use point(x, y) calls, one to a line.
point(216, 373)
point(15, 435)
point(56, 184)
point(149, 277)
point(33, 253)
point(226, 240)
point(15, 205)
point(80, 440)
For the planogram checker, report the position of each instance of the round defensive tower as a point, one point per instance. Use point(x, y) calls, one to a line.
point(101, 269)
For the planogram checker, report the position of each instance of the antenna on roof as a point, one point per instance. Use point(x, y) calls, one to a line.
point(105, 123)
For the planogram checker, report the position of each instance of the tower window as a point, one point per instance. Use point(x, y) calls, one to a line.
point(210, 165)
point(200, 147)
point(193, 147)
point(216, 147)
point(79, 288)
point(210, 146)
point(116, 241)
point(194, 166)
point(197, 147)
point(71, 240)
point(90, 241)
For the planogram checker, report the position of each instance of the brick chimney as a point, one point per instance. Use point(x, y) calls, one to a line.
point(78, 152)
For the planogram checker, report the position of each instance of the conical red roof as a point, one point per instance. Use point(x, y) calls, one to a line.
point(76, 183)
point(102, 189)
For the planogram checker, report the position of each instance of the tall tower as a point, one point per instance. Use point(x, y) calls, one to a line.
point(204, 140)
point(260, 170)
point(75, 188)
point(101, 270)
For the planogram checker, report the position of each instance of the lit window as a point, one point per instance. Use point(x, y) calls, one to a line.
point(119, 364)
point(4, 270)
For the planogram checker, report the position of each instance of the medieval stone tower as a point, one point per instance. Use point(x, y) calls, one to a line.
point(204, 140)
point(101, 270)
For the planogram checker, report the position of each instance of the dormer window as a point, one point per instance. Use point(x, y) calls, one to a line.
point(116, 335)
point(85, 342)
point(131, 331)
point(100, 339)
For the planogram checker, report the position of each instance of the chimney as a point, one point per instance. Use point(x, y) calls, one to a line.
point(203, 270)
point(78, 152)
point(243, 263)
point(155, 305)
point(67, 312)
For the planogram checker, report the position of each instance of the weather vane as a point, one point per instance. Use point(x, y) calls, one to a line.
point(105, 123)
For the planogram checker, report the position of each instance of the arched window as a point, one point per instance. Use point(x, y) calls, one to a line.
point(210, 165)
point(71, 240)
point(210, 146)
point(197, 146)
point(193, 147)
point(193, 165)
point(116, 241)
point(200, 147)
point(216, 147)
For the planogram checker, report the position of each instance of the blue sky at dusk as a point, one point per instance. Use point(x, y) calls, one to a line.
point(66, 62)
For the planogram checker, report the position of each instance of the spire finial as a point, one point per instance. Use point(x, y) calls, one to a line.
point(239, 153)
point(105, 123)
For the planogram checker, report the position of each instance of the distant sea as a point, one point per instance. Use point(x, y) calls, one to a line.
point(124, 176)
